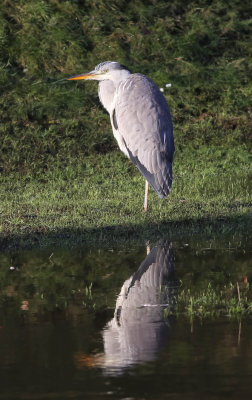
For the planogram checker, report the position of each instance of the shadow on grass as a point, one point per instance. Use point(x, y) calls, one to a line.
point(236, 226)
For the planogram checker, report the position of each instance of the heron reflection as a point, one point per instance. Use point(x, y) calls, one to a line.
point(138, 328)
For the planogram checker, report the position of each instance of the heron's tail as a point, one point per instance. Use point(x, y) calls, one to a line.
point(163, 181)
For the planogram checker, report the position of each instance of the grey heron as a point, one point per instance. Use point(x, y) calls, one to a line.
point(141, 122)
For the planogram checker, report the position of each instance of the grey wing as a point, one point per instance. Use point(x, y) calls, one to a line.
point(157, 269)
point(144, 121)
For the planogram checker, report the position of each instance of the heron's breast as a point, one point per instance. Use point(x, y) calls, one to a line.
point(116, 131)
point(119, 138)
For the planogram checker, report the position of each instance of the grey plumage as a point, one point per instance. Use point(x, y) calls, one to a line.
point(139, 329)
point(144, 121)
point(140, 119)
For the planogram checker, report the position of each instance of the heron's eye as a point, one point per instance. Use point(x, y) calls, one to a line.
point(105, 71)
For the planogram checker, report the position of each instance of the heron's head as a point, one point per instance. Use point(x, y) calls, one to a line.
point(108, 70)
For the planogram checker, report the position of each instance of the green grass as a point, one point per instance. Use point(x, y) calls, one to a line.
point(230, 300)
point(103, 199)
point(61, 173)
point(203, 49)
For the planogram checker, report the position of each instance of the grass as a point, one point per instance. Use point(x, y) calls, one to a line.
point(62, 177)
point(105, 195)
point(229, 300)
point(202, 49)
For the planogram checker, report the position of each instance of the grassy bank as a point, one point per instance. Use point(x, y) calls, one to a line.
point(103, 200)
point(62, 176)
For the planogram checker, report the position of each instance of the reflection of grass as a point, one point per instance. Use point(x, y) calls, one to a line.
point(88, 300)
point(230, 300)
point(84, 281)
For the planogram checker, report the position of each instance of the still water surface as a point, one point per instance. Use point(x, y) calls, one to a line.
point(91, 323)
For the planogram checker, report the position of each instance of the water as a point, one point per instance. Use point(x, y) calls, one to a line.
point(92, 323)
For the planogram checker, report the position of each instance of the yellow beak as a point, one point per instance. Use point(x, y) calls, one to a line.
point(87, 75)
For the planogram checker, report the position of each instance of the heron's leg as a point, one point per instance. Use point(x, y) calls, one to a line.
point(146, 196)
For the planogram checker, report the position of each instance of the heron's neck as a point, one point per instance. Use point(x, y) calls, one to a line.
point(106, 93)
point(107, 89)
